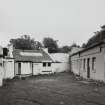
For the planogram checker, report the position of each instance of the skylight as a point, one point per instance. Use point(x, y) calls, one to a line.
point(30, 54)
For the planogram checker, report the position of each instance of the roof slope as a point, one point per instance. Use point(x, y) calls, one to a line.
point(31, 55)
point(90, 47)
point(60, 57)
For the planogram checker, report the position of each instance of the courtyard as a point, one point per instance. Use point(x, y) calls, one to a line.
point(56, 89)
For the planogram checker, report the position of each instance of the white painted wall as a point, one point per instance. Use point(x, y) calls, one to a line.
point(1, 76)
point(63, 58)
point(55, 67)
point(39, 69)
point(47, 69)
point(75, 64)
point(16, 68)
point(75, 67)
point(8, 68)
point(1, 72)
point(60, 67)
point(99, 72)
point(26, 68)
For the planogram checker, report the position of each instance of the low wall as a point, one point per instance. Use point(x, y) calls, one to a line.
point(60, 67)
point(61, 62)
point(8, 68)
point(1, 72)
point(1, 76)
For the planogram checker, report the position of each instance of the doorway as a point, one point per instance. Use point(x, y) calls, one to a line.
point(19, 68)
point(88, 68)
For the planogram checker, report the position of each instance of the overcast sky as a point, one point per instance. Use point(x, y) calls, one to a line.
point(65, 20)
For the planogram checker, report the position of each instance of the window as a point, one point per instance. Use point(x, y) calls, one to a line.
point(44, 64)
point(84, 61)
point(93, 63)
point(49, 64)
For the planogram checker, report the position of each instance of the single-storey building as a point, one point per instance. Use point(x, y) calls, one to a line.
point(90, 62)
point(32, 62)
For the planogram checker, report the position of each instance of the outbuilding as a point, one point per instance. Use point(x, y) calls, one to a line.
point(90, 62)
point(32, 62)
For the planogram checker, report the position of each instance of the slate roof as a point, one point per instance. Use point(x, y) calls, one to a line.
point(44, 58)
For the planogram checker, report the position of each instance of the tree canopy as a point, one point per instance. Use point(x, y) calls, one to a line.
point(25, 42)
point(65, 49)
point(51, 44)
point(97, 37)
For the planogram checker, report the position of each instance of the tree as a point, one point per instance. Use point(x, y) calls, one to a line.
point(75, 45)
point(97, 37)
point(25, 42)
point(83, 45)
point(51, 44)
point(103, 27)
point(65, 49)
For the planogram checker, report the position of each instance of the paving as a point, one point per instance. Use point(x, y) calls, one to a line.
point(57, 89)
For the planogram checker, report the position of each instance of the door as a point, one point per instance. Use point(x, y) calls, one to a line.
point(88, 68)
point(19, 68)
point(36, 68)
point(80, 65)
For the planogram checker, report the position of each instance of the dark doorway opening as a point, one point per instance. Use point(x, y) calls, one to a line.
point(88, 68)
point(19, 68)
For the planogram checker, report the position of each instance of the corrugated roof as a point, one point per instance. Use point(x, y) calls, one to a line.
point(19, 57)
